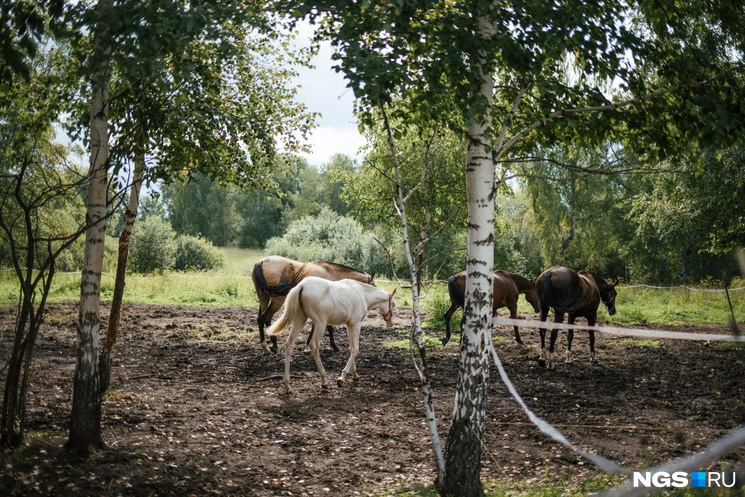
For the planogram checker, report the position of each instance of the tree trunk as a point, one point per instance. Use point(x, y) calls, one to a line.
point(85, 419)
point(463, 450)
point(417, 337)
point(130, 216)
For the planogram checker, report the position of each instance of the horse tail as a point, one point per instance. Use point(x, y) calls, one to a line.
point(280, 289)
point(457, 296)
point(290, 309)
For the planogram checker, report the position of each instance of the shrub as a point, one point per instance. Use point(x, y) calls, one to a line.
point(153, 246)
point(194, 253)
point(333, 238)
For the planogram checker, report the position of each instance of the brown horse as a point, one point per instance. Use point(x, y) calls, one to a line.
point(506, 288)
point(576, 293)
point(274, 276)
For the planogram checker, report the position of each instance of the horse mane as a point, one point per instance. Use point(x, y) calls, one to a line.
point(282, 288)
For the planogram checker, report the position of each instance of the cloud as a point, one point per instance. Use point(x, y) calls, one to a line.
point(329, 140)
point(325, 91)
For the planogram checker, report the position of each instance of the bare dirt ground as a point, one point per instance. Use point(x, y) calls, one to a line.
point(196, 410)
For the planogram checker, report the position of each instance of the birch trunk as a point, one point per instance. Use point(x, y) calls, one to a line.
point(85, 419)
point(417, 337)
point(115, 315)
point(463, 451)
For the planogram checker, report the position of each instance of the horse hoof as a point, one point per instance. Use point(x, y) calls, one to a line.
point(265, 348)
point(542, 363)
point(339, 383)
point(444, 341)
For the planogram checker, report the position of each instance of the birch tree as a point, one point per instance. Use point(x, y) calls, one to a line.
point(530, 74)
point(222, 109)
point(85, 420)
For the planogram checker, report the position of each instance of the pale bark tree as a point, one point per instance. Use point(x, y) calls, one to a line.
point(464, 442)
point(85, 420)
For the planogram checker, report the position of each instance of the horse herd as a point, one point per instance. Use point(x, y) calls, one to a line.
point(334, 294)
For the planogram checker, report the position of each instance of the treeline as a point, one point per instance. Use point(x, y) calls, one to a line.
point(665, 227)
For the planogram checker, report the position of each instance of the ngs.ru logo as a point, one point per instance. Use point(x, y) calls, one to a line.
point(680, 479)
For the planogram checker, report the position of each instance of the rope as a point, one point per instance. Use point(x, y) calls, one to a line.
point(634, 332)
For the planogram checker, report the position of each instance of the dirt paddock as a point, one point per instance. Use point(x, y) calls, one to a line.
point(195, 410)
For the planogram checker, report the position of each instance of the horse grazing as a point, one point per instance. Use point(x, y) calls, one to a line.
point(506, 288)
point(330, 302)
point(578, 294)
point(274, 276)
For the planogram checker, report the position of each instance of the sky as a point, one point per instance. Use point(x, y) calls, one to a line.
point(325, 91)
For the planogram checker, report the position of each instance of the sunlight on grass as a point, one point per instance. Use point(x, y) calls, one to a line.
point(231, 286)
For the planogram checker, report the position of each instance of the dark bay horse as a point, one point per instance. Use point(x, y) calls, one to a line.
point(274, 276)
point(575, 293)
point(506, 288)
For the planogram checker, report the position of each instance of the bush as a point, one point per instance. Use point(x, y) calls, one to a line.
point(153, 246)
point(332, 238)
point(194, 253)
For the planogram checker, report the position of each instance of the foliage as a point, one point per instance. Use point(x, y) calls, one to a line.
point(196, 253)
point(580, 219)
point(332, 238)
point(432, 178)
point(153, 246)
point(690, 223)
point(200, 207)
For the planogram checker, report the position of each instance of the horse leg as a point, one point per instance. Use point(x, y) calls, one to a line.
point(297, 325)
point(315, 345)
point(554, 333)
point(544, 315)
point(330, 329)
point(263, 304)
point(448, 315)
point(274, 306)
point(591, 322)
point(513, 315)
point(353, 331)
point(570, 337)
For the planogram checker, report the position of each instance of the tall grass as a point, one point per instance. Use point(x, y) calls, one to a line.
point(231, 285)
point(226, 286)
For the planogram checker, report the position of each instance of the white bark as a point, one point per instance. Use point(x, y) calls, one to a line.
point(85, 420)
point(464, 443)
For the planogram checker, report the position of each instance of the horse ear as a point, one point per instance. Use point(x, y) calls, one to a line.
point(394, 291)
point(372, 277)
point(615, 282)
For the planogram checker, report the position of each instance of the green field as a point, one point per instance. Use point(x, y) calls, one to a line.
point(231, 286)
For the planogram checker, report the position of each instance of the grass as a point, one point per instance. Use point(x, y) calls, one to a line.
point(231, 286)
point(635, 306)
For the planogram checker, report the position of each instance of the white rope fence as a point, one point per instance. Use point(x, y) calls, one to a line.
point(613, 330)
point(688, 463)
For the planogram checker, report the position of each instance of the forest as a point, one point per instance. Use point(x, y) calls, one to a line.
point(153, 137)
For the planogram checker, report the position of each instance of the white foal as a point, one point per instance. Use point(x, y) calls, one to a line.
point(330, 302)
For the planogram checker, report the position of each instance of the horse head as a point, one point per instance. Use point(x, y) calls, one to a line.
point(532, 297)
point(388, 315)
point(608, 295)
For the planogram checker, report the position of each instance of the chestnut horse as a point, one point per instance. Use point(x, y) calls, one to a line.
point(506, 288)
point(330, 302)
point(274, 276)
point(576, 293)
